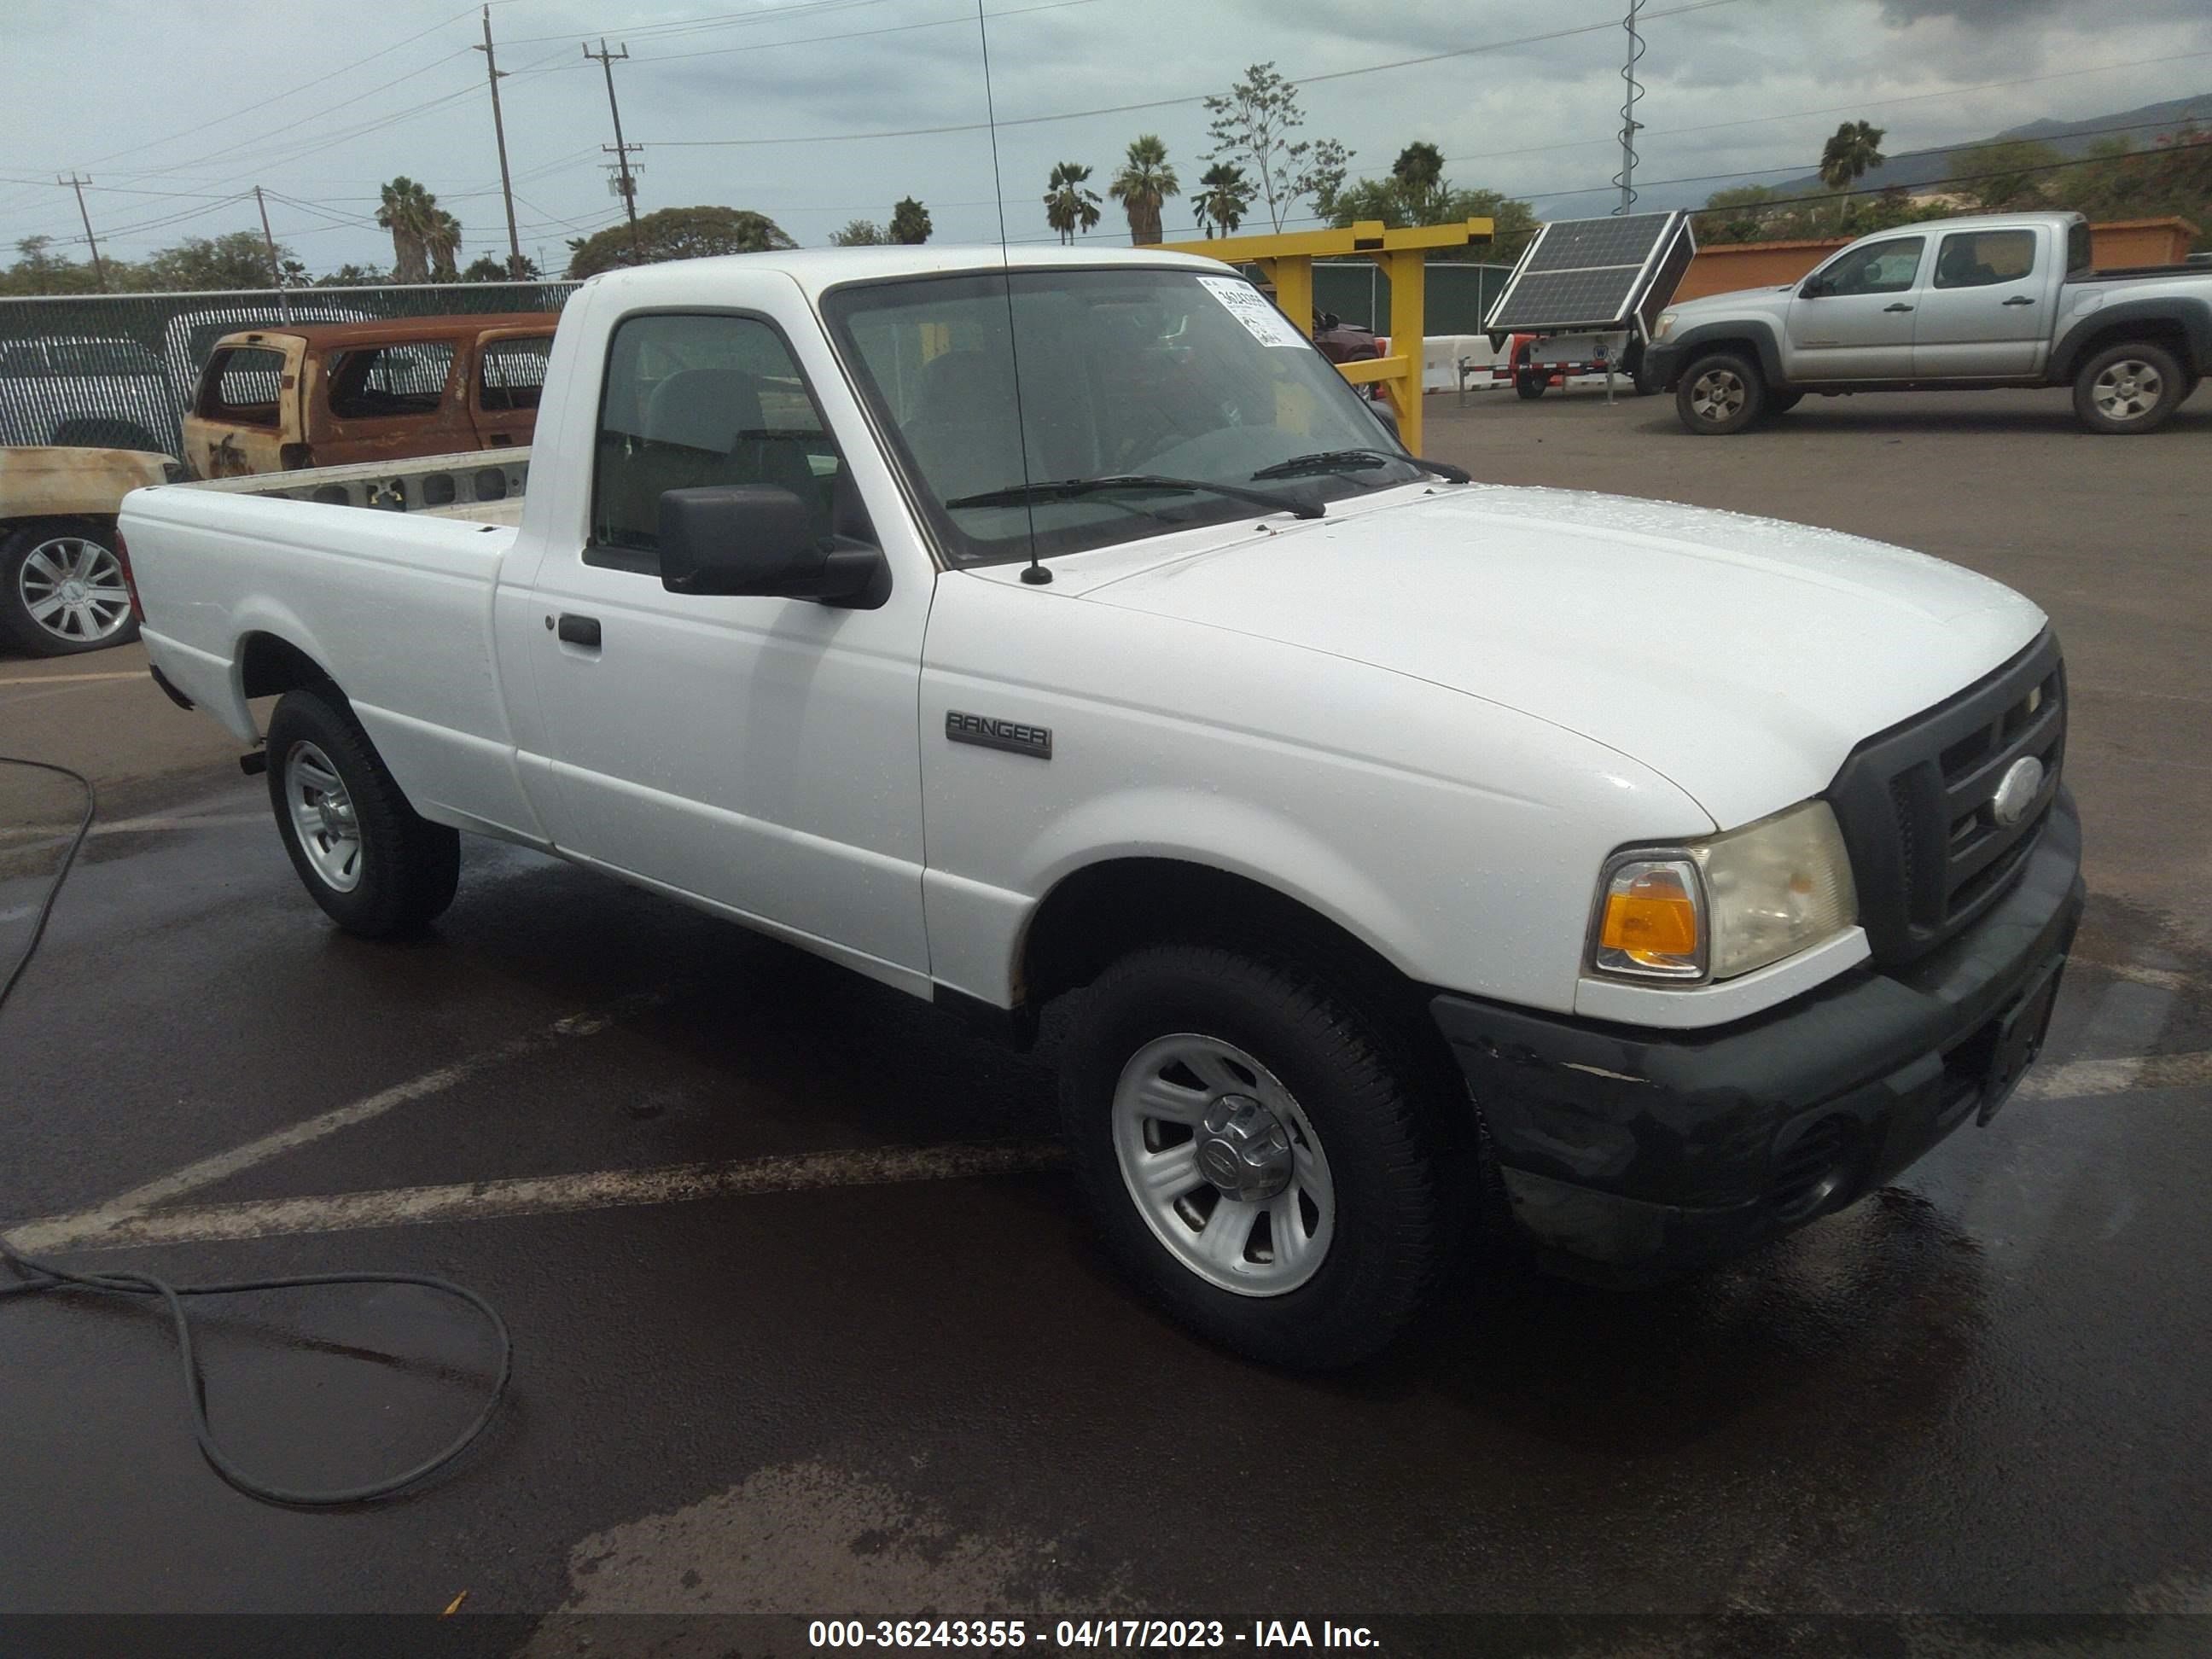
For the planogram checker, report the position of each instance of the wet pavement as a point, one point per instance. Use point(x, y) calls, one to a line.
point(1982, 1390)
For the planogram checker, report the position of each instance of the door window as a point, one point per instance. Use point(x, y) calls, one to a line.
point(242, 386)
point(694, 400)
point(393, 379)
point(1880, 268)
point(1977, 258)
point(511, 374)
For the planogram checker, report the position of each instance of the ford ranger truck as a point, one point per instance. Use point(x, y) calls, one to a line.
point(1442, 865)
point(1954, 304)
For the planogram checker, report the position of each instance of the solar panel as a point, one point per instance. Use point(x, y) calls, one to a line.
point(1594, 273)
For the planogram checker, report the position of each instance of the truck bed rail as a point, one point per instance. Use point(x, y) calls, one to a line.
point(486, 485)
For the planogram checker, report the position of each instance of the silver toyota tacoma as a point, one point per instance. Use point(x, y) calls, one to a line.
point(2005, 299)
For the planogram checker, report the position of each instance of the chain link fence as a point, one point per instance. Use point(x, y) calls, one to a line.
point(119, 370)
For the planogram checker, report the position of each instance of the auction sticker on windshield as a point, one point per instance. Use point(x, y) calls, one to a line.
point(1249, 306)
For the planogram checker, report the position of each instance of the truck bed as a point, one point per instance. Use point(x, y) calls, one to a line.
point(485, 486)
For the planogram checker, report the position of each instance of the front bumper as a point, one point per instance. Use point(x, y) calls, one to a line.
point(1663, 364)
point(1630, 1155)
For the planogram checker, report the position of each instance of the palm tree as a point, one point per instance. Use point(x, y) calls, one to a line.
point(1144, 182)
point(1855, 146)
point(441, 242)
point(1420, 172)
point(1223, 196)
point(412, 214)
point(1069, 208)
point(909, 223)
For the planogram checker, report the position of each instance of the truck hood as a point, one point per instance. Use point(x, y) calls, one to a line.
point(1741, 658)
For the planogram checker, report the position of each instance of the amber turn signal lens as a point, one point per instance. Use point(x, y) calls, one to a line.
point(1652, 919)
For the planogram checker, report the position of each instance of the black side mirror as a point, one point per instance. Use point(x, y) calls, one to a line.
point(1330, 319)
point(761, 539)
point(1816, 289)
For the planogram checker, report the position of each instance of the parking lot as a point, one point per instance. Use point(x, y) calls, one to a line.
point(806, 1319)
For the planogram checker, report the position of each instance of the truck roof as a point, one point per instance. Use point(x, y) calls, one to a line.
point(395, 331)
point(815, 270)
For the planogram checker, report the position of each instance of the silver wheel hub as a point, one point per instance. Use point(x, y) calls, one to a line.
point(323, 817)
point(2128, 390)
point(1716, 394)
point(1224, 1165)
point(1245, 1150)
point(73, 588)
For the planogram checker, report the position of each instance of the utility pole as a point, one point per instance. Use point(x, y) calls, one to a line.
point(605, 60)
point(276, 270)
point(99, 269)
point(499, 133)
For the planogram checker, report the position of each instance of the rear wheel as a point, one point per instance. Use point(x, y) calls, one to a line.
point(2131, 387)
point(374, 864)
point(1720, 394)
point(1529, 381)
point(1256, 1151)
point(63, 589)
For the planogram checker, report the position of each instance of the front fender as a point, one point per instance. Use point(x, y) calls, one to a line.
point(1676, 352)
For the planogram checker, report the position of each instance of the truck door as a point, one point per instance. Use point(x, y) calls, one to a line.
point(1852, 319)
point(373, 403)
point(1985, 312)
point(508, 378)
point(757, 753)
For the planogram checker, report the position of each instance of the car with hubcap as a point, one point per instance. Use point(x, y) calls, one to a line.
point(1427, 871)
point(64, 584)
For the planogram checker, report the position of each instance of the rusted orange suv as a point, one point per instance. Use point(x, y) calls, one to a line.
point(331, 394)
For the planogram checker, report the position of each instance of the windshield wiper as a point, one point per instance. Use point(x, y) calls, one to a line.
point(1356, 460)
point(1068, 489)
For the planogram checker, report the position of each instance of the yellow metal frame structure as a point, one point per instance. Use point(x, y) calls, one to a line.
point(1286, 261)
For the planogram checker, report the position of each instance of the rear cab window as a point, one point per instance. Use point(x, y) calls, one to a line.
point(694, 399)
point(241, 386)
point(1980, 258)
point(2081, 253)
point(374, 382)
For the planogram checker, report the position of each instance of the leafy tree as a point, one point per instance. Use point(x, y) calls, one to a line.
point(354, 276)
point(1143, 185)
point(1513, 220)
point(490, 270)
point(1999, 177)
point(1742, 214)
point(676, 233)
point(239, 258)
point(911, 223)
point(412, 214)
point(1252, 126)
point(38, 270)
point(860, 232)
point(1419, 174)
point(2171, 176)
point(1070, 206)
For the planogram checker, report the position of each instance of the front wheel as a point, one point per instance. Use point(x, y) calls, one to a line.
point(63, 588)
point(1530, 383)
point(374, 864)
point(2134, 387)
point(1256, 1154)
point(1720, 394)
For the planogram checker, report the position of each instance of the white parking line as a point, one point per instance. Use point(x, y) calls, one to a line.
point(483, 1200)
point(35, 1236)
point(2080, 1080)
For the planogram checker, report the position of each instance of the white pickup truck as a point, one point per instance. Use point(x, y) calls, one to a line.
point(1442, 865)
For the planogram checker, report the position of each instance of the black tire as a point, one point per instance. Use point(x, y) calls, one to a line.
point(406, 867)
point(2133, 387)
point(31, 558)
point(1378, 1115)
point(1531, 383)
point(1720, 394)
point(1781, 403)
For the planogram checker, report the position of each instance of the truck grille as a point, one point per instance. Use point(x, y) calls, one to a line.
point(1917, 803)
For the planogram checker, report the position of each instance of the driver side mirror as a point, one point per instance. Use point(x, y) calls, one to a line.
point(1817, 288)
point(761, 539)
point(1330, 319)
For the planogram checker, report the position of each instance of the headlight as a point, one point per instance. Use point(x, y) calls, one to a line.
point(1666, 325)
point(1716, 908)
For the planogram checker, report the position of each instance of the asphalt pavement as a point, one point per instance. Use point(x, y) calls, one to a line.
point(788, 1343)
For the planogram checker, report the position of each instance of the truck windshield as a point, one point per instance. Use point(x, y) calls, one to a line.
point(1159, 372)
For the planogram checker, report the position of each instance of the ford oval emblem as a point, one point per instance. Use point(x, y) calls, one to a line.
point(2023, 783)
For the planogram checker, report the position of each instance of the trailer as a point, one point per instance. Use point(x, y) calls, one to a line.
point(1585, 297)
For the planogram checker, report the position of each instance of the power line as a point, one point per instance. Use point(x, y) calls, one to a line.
point(1192, 98)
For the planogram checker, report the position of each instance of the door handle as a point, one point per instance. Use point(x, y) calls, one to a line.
point(1900, 307)
point(2019, 299)
point(580, 630)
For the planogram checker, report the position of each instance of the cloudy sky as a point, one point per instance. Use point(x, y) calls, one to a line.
point(815, 112)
